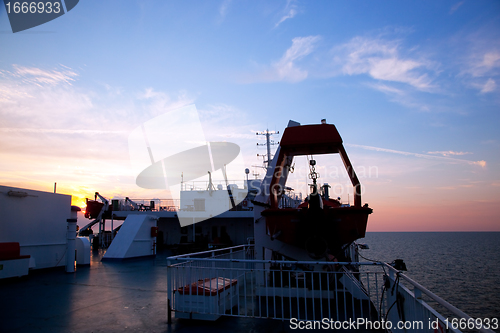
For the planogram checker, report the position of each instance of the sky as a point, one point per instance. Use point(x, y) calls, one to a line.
point(412, 87)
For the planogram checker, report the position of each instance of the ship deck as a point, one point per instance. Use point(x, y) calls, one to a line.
point(106, 297)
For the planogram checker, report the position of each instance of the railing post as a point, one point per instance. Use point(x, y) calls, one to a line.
point(391, 274)
point(169, 292)
point(417, 292)
point(169, 312)
point(213, 264)
point(231, 257)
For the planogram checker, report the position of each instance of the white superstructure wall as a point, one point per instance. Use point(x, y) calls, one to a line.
point(38, 222)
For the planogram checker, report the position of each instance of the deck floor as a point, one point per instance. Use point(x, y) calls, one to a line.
point(127, 296)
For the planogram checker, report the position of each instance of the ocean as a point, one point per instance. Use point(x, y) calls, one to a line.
point(461, 267)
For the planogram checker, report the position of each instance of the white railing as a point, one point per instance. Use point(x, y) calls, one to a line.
point(373, 297)
point(170, 205)
point(410, 306)
point(203, 185)
point(267, 289)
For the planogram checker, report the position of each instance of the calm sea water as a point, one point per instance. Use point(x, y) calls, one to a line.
point(461, 267)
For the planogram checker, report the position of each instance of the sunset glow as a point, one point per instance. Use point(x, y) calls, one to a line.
point(413, 89)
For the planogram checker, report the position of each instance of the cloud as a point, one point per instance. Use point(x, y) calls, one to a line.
point(36, 98)
point(480, 163)
point(480, 65)
point(386, 89)
point(452, 188)
point(286, 69)
point(158, 102)
point(456, 6)
point(220, 113)
point(289, 12)
point(220, 122)
point(489, 86)
point(442, 158)
point(381, 59)
point(483, 63)
point(18, 83)
point(401, 96)
point(52, 129)
point(491, 59)
point(58, 131)
point(40, 76)
point(448, 153)
point(224, 8)
point(223, 122)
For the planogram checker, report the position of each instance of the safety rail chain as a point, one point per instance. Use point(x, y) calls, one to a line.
point(230, 282)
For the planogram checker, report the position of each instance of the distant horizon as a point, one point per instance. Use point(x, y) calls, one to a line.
point(369, 226)
point(442, 231)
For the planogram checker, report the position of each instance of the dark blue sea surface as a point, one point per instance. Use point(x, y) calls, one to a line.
point(461, 267)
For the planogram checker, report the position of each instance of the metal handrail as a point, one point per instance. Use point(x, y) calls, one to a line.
point(439, 300)
point(211, 257)
point(187, 255)
point(288, 262)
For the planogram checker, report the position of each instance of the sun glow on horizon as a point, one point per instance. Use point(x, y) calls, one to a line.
point(423, 143)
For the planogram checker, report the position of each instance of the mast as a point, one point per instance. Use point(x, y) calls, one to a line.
point(268, 143)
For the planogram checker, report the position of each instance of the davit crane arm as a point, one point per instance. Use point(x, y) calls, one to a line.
point(309, 140)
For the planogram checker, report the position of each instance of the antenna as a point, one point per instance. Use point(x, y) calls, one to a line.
point(211, 186)
point(268, 143)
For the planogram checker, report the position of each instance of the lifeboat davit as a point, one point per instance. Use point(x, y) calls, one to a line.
point(320, 225)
